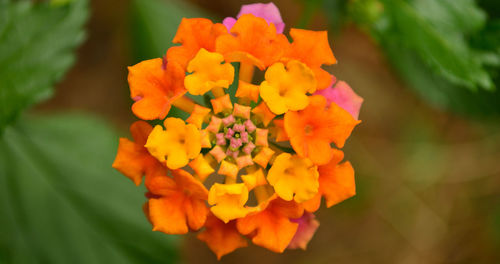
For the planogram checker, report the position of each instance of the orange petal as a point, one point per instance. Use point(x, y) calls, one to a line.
point(133, 160)
point(336, 182)
point(242, 111)
point(254, 179)
point(311, 47)
point(159, 183)
point(272, 226)
point(194, 34)
point(196, 212)
point(202, 167)
point(221, 238)
point(181, 205)
point(263, 157)
point(228, 169)
point(189, 184)
point(261, 137)
point(313, 129)
point(253, 40)
point(221, 103)
point(244, 161)
point(173, 214)
point(167, 214)
point(280, 130)
point(198, 116)
point(155, 86)
point(319, 151)
point(313, 204)
point(323, 78)
point(342, 124)
point(140, 131)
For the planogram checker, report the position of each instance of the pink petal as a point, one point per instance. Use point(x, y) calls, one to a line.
point(344, 96)
point(268, 11)
point(239, 128)
point(250, 126)
point(229, 133)
point(244, 137)
point(229, 22)
point(221, 141)
point(231, 153)
point(248, 148)
point(307, 227)
point(228, 120)
point(235, 143)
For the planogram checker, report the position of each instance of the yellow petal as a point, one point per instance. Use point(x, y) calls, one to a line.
point(208, 72)
point(286, 89)
point(294, 177)
point(228, 200)
point(176, 144)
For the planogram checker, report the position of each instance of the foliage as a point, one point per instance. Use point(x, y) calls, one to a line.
point(448, 51)
point(429, 43)
point(61, 202)
point(37, 43)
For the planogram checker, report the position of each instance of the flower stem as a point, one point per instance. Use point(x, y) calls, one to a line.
point(184, 103)
point(218, 92)
point(230, 180)
point(246, 72)
point(261, 193)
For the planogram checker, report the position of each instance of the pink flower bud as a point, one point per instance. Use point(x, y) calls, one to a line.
point(250, 126)
point(230, 133)
point(244, 137)
point(221, 141)
point(248, 148)
point(228, 120)
point(239, 128)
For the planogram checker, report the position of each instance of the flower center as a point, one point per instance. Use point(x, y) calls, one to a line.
point(237, 136)
point(308, 129)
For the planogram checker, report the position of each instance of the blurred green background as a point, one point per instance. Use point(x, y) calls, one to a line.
point(427, 155)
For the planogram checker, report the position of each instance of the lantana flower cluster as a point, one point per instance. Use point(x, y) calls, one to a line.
point(255, 157)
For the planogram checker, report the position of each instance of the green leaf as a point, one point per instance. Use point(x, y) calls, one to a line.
point(61, 202)
point(436, 31)
point(37, 42)
point(438, 91)
point(438, 47)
